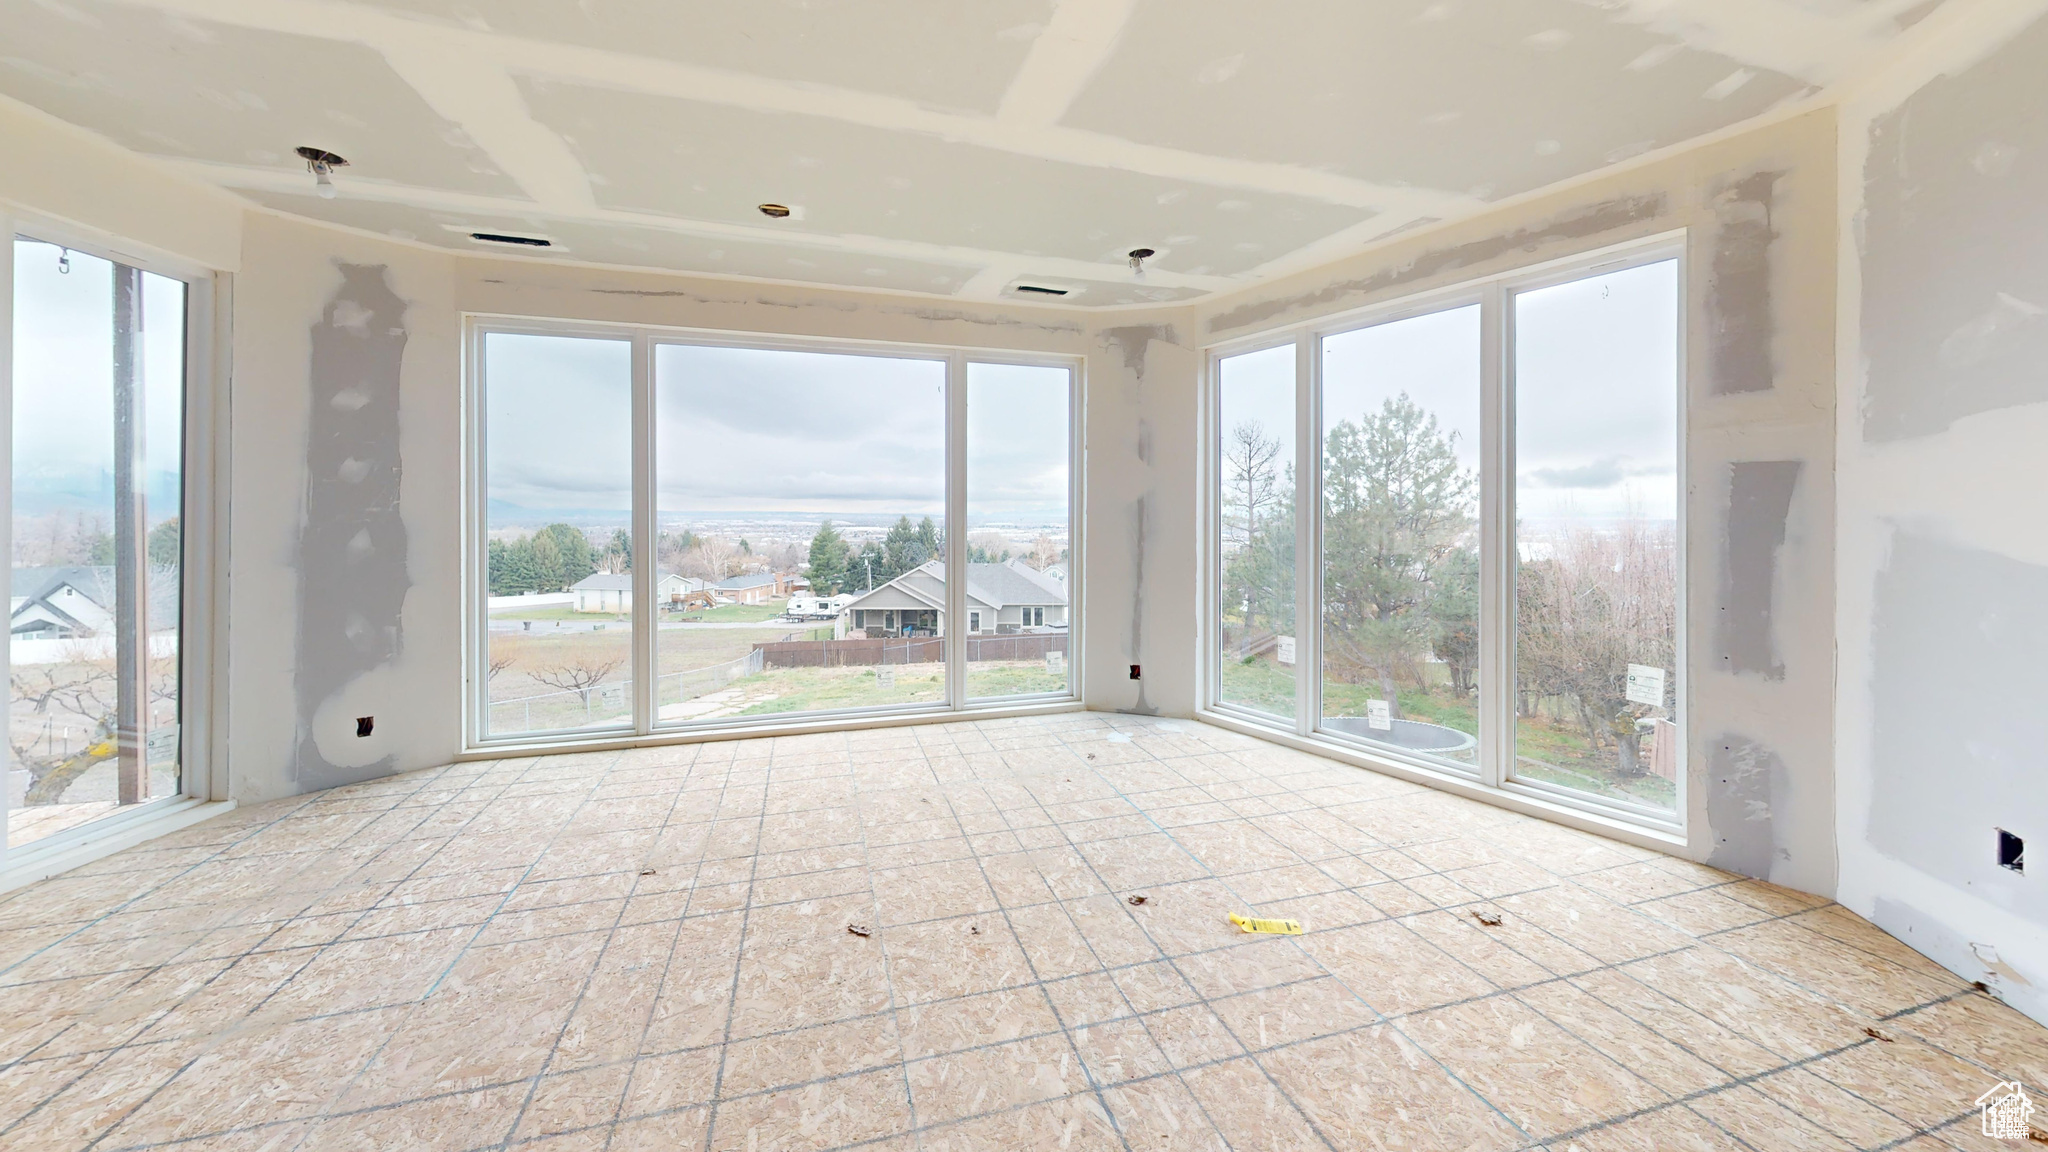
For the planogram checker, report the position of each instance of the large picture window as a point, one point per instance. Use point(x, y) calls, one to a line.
point(97, 571)
point(1494, 513)
point(680, 534)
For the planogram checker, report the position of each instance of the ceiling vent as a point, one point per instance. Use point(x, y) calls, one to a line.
point(515, 241)
point(1039, 290)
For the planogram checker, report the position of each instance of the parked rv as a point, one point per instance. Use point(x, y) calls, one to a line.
point(816, 607)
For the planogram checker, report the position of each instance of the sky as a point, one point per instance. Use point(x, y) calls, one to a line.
point(1596, 398)
point(786, 431)
point(770, 430)
point(64, 384)
point(1596, 379)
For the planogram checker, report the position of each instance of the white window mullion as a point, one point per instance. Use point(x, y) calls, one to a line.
point(1496, 544)
point(1308, 533)
point(644, 580)
point(955, 633)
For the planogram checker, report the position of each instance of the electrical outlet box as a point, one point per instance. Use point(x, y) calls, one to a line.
point(1134, 671)
point(2012, 851)
point(364, 724)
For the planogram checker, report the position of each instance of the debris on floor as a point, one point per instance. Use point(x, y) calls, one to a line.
point(859, 929)
point(1490, 917)
point(974, 929)
point(647, 871)
point(1874, 1034)
point(1270, 927)
point(1135, 900)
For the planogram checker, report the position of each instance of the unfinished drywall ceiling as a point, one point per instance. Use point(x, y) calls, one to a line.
point(997, 142)
point(689, 158)
point(948, 55)
point(197, 90)
point(1488, 97)
point(623, 245)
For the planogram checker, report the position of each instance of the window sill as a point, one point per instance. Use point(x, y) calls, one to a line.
point(1656, 836)
point(43, 859)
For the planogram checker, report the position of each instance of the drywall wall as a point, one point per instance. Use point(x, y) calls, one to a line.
point(1758, 212)
point(1944, 521)
point(346, 496)
point(348, 486)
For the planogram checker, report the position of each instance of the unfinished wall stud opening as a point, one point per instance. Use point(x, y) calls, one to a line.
point(2012, 851)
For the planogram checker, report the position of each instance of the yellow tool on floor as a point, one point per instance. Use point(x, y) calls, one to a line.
point(1275, 927)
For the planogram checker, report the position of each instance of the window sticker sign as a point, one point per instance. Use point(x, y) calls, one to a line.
point(1645, 685)
point(1285, 650)
point(1379, 716)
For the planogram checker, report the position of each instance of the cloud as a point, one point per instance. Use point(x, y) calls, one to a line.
point(1599, 474)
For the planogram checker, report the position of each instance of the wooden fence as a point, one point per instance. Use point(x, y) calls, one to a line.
point(917, 650)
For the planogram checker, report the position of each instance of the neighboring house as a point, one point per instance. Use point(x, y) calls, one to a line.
point(1001, 598)
point(64, 603)
point(754, 588)
point(604, 592)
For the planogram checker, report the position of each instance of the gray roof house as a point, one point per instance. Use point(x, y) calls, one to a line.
point(70, 601)
point(1006, 597)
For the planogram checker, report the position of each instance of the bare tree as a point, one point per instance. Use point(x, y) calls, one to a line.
point(497, 662)
point(1045, 552)
point(713, 559)
point(1250, 491)
point(83, 690)
point(1597, 603)
point(579, 675)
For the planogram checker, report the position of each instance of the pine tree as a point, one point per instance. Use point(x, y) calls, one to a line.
point(827, 568)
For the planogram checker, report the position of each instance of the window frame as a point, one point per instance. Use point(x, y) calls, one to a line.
point(1493, 773)
point(646, 728)
point(203, 753)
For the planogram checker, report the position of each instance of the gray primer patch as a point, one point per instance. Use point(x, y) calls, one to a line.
point(352, 547)
point(1592, 220)
point(1740, 326)
point(1759, 504)
point(1957, 684)
point(1955, 260)
point(1746, 785)
point(1133, 342)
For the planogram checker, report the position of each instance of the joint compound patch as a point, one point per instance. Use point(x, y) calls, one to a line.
point(352, 542)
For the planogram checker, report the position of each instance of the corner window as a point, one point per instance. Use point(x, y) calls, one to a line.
point(98, 489)
point(1496, 592)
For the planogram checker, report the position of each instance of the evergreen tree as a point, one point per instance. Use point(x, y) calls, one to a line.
point(1395, 504)
point(869, 569)
point(827, 568)
point(164, 549)
point(618, 555)
point(575, 557)
point(545, 556)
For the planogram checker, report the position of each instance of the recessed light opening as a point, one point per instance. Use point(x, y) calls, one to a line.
point(522, 241)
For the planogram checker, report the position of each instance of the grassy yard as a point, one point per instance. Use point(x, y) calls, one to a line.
point(725, 614)
point(1551, 752)
point(818, 689)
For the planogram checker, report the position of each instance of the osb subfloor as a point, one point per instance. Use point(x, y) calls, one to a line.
point(650, 951)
